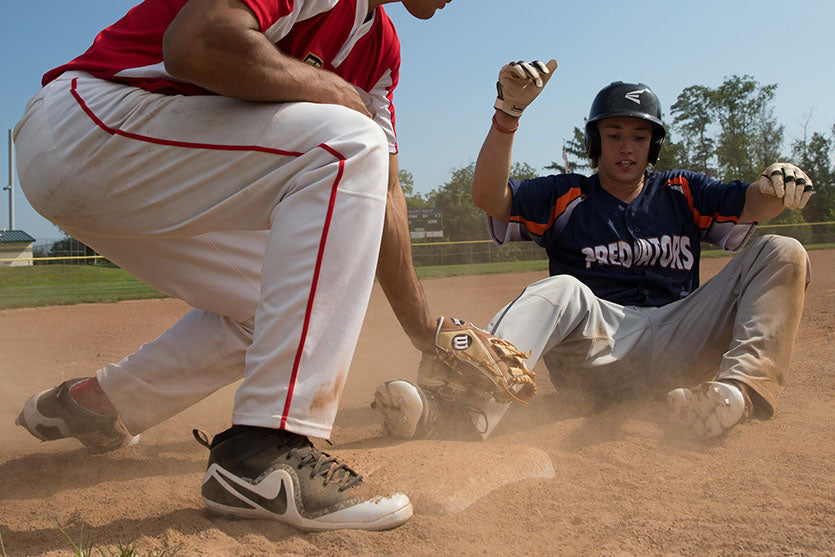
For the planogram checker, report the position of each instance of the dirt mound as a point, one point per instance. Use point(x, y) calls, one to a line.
point(554, 479)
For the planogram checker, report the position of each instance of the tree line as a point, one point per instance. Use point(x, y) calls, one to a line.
point(728, 132)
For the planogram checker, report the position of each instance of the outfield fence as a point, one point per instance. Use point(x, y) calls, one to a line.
point(486, 251)
point(89, 270)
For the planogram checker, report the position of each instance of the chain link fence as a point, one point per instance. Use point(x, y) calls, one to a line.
point(68, 261)
point(486, 251)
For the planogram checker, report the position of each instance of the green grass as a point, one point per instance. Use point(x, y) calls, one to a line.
point(49, 285)
point(84, 547)
point(56, 295)
point(720, 253)
point(61, 274)
point(440, 271)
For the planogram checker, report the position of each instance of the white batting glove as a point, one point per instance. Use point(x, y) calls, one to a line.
point(787, 182)
point(519, 84)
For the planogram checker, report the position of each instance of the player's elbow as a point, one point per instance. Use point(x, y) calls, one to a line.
point(493, 199)
point(178, 54)
point(480, 200)
point(496, 207)
point(189, 49)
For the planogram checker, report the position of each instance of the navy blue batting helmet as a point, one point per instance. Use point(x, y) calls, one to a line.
point(625, 99)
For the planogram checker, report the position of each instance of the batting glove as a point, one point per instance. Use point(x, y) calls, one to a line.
point(519, 84)
point(787, 182)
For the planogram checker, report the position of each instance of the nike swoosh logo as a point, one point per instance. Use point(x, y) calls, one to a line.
point(269, 493)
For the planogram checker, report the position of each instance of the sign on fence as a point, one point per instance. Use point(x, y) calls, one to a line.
point(426, 223)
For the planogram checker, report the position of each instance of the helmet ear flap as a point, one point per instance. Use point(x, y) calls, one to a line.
point(655, 148)
point(592, 140)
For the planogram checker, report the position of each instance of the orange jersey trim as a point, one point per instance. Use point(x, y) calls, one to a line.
point(539, 228)
point(702, 221)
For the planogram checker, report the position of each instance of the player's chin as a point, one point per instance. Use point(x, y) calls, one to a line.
point(632, 169)
point(422, 14)
point(424, 9)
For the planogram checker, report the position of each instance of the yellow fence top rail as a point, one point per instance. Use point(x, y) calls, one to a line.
point(761, 227)
point(54, 258)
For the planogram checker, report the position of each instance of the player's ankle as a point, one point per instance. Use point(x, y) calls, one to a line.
point(746, 394)
point(89, 395)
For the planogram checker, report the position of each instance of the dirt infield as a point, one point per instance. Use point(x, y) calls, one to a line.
point(606, 483)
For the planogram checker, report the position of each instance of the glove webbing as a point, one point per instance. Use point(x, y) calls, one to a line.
point(505, 348)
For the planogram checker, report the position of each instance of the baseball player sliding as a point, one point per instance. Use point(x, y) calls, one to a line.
point(623, 314)
point(261, 215)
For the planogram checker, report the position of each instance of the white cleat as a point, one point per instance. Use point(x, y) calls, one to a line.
point(708, 411)
point(401, 406)
point(410, 412)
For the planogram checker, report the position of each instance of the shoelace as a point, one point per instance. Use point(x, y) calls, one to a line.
point(325, 465)
point(320, 463)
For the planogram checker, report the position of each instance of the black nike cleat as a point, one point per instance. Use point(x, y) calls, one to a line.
point(53, 414)
point(256, 472)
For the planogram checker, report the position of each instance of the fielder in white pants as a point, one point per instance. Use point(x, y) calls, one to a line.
point(263, 216)
point(239, 155)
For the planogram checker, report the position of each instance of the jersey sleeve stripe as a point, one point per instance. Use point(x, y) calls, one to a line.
point(381, 96)
point(362, 28)
point(267, 13)
point(559, 207)
point(720, 218)
point(702, 221)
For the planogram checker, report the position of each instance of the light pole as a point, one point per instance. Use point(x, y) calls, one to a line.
point(10, 187)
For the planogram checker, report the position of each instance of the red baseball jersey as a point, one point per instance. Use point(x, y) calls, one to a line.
point(337, 35)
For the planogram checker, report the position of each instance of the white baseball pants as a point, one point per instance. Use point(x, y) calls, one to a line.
point(739, 325)
point(266, 218)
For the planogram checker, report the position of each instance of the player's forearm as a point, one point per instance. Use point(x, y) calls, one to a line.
point(492, 170)
point(218, 46)
point(758, 206)
point(396, 271)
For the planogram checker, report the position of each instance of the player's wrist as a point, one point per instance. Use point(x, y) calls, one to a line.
point(505, 123)
point(423, 336)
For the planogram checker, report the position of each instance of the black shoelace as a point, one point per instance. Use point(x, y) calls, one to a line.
point(324, 465)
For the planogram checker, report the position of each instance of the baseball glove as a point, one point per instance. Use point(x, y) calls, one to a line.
point(469, 363)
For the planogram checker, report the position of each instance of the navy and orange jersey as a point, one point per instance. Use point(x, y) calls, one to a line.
point(643, 253)
point(337, 35)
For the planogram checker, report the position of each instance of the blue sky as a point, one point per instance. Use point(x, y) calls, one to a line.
point(450, 63)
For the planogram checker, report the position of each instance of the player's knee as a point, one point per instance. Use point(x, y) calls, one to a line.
point(349, 129)
point(560, 289)
point(785, 252)
point(784, 249)
point(370, 136)
point(372, 146)
point(364, 146)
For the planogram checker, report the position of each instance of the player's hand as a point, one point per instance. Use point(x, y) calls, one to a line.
point(368, 101)
point(338, 91)
point(519, 84)
point(787, 182)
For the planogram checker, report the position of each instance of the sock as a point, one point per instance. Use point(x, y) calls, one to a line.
point(89, 395)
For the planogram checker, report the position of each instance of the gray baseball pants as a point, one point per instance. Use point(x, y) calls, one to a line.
point(740, 325)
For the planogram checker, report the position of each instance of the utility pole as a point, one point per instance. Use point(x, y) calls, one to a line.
point(10, 187)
